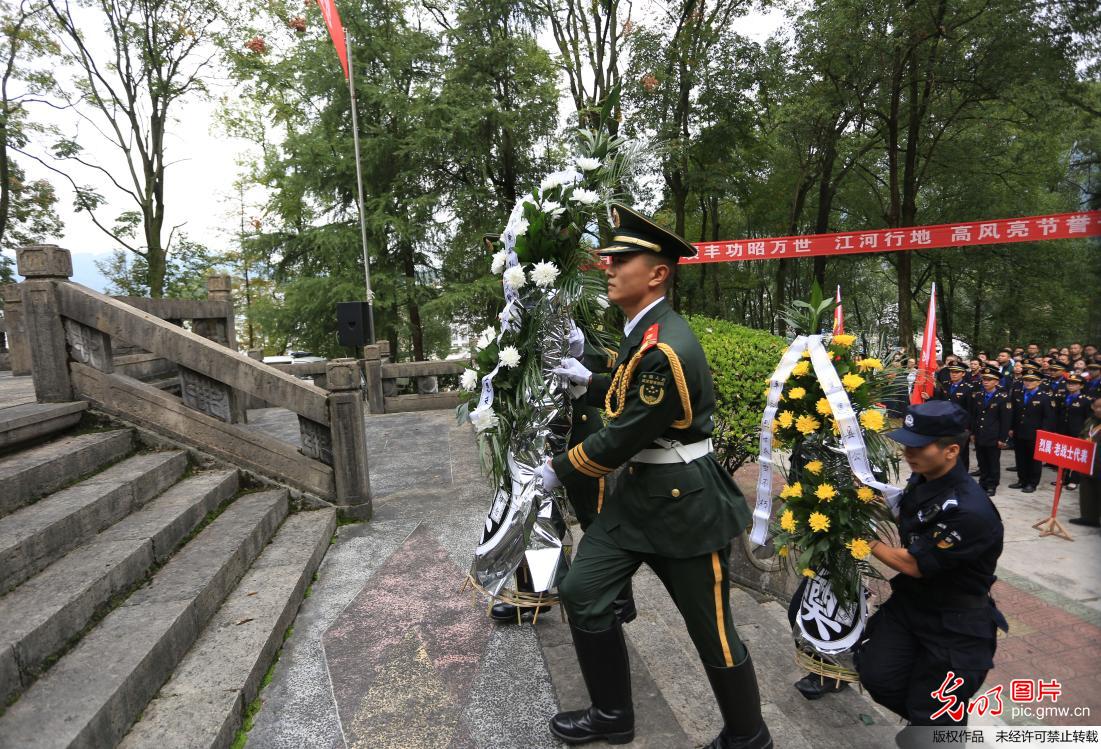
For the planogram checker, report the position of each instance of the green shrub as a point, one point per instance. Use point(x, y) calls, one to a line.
point(742, 359)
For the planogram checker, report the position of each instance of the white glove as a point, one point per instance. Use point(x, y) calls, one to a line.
point(577, 341)
point(574, 371)
point(550, 478)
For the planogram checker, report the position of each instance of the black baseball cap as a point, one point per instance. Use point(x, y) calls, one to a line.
point(928, 422)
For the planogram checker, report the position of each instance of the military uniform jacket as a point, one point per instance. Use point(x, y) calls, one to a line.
point(990, 417)
point(587, 496)
point(1071, 412)
point(1055, 387)
point(955, 534)
point(661, 388)
point(960, 393)
point(1032, 410)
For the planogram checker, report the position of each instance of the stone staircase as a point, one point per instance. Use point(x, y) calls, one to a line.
point(674, 706)
point(144, 592)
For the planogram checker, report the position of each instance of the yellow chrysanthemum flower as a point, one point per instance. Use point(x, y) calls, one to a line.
point(807, 424)
point(782, 551)
point(823, 407)
point(870, 364)
point(815, 467)
point(819, 522)
point(801, 368)
point(775, 426)
point(793, 491)
point(872, 419)
point(835, 427)
point(797, 393)
point(806, 354)
point(852, 381)
point(842, 340)
point(825, 492)
point(865, 494)
point(785, 419)
point(808, 572)
point(787, 521)
point(859, 548)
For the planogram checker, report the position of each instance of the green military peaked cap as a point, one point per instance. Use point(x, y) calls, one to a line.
point(633, 232)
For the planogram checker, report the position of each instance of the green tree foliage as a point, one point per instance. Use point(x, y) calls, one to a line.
point(27, 212)
point(185, 273)
point(742, 359)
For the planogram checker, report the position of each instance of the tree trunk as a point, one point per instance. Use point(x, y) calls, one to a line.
point(416, 328)
point(945, 305)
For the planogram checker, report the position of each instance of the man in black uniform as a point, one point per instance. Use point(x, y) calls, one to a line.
point(1032, 410)
point(991, 412)
point(1057, 382)
point(1093, 385)
point(961, 393)
point(1072, 408)
point(940, 618)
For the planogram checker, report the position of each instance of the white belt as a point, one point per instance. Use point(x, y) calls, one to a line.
point(672, 451)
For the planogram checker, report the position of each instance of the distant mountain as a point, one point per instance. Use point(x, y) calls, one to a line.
point(85, 271)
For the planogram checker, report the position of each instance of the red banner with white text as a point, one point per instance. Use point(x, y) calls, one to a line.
point(967, 234)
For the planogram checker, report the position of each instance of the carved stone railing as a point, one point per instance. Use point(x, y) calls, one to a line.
point(19, 355)
point(379, 372)
point(73, 330)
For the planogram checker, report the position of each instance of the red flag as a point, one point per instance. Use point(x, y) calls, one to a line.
point(336, 30)
point(838, 317)
point(927, 367)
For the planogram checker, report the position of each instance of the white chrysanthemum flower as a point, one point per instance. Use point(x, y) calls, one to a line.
point(602, 301)
point(553, 209)
point(498, 264)
point(585, 197)
point(558, 179)
point(587, 163)
point(543, 274)
point(469, 380)
point(509, 357)
point(483, 418)
point(515, 278)
point(487, 337)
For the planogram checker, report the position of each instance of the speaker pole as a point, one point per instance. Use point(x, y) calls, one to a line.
point(359, 190)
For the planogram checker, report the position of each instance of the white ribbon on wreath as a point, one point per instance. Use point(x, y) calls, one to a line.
point(852, 439)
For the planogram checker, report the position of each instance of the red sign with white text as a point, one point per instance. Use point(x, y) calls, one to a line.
point(968, 234)
point(1065, 452)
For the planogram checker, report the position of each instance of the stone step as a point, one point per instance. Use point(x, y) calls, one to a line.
point(28, 422)
point(37, 535)
point(42, 615)
point(35, 472)
point(203, 704)
point(844, 715)
point(93, 694)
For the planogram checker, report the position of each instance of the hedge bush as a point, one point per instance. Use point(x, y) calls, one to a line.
point(742, 359)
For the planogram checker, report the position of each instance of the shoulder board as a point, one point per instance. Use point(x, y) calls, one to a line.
point(651, 338)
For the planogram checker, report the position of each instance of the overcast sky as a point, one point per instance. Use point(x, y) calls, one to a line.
point(199, 185)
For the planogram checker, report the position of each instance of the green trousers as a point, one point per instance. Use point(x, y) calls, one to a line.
point(699, 586)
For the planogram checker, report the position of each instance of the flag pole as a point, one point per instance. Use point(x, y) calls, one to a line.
point(359, 192)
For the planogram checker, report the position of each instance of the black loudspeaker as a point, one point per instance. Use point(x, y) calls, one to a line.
point(353, 324)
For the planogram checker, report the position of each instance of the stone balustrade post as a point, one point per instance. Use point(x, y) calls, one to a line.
point(43, 265)
point(372, 366)
point(222, 329)
point(349, 440)
point(18, 345)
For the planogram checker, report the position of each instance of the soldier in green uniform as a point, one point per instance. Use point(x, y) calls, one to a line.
point(674, 509)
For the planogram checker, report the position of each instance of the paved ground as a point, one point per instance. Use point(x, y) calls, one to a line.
point(387, 653)
point(15, 391)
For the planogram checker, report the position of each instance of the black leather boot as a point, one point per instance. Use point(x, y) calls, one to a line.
point(739, 701)
point(607, 673)
point(506, 613)
point(813, 687)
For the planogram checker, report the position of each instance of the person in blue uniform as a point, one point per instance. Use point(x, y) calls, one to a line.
point(1072, 408)
point(940, 618)
point(960, 392)
point(1032, 410)
point(1057, 379)
point(1093, 384)
point(991, 413)
point(674, 508)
